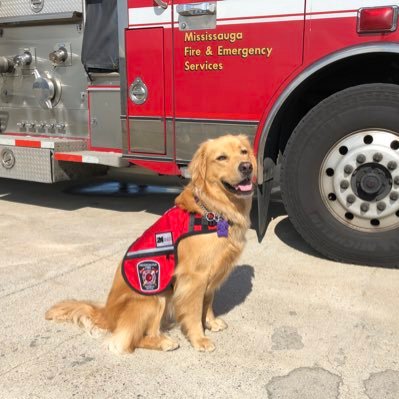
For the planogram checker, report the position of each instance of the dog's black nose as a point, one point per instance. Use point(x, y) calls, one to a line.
point(245, 168)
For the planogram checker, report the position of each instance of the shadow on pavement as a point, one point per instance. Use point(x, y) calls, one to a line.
point(132, 196)
point(99, 193)
point(286, 232)
point(234, 291)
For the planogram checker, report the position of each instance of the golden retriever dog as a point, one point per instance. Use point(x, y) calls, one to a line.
point(222, 174)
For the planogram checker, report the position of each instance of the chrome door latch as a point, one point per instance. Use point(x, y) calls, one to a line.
point(196, 16)
point(138, 92)
point(196, 9)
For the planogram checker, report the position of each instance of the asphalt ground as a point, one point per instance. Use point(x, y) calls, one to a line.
point(300, 326)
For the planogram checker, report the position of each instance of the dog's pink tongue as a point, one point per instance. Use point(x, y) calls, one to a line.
point(245, 187)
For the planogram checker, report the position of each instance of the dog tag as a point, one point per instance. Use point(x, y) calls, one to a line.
point(223, 228)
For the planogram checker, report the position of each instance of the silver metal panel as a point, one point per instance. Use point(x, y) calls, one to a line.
point(170, 146)
point(105, 114)
point(34, 20)
point(75, 121)
point(21, 8)
point(190, 134)
point(104, 79)
point(170, 138)
point(147, 135)
point(17, 101)
point(31, 164)
point(36, 164)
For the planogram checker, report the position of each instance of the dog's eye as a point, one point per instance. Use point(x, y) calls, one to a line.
point(244, 152)
point(221, 158)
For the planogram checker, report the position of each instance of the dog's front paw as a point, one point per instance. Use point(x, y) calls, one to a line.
point(169, 345)
point(97, 332)
point(204, 345)
point(216, 325)
point(115, 347)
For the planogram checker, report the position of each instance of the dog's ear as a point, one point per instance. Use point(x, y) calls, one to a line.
point(197, 167)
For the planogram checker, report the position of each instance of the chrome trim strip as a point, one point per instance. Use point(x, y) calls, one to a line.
point(84, 12)
point(318, 65)
point(103, 89)
point(123, 22)
point(221, 121)
point(147, 118)
point(197, 120)
point(96, 75)
point(37, 19)
point(161, 158)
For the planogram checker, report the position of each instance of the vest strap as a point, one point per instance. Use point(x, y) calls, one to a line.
point(200, 223)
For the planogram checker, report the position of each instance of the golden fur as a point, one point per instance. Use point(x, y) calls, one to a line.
point(136, 321)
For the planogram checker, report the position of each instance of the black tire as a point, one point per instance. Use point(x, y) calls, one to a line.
point(371, 106)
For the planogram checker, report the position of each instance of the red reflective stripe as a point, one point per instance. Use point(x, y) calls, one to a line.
point(165, 168)
point(68, 157)
point(28, 143)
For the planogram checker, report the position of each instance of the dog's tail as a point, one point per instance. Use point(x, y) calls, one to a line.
point(87, 315)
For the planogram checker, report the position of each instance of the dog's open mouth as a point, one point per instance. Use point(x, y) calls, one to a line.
point(245, 187)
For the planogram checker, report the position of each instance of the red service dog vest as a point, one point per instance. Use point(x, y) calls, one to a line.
point(149, 263)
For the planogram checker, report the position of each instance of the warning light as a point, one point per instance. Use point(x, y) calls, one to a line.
point(377, 19)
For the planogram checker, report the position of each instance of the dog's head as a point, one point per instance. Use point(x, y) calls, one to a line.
point(226, 164)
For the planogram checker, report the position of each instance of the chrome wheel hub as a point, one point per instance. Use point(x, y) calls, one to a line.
point(359, 180)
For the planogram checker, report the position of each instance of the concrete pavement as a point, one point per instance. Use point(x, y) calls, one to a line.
point(300, 326)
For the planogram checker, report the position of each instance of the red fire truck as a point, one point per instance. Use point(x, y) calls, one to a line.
point(91, 85)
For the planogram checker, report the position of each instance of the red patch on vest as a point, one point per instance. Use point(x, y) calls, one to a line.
point(149, 263)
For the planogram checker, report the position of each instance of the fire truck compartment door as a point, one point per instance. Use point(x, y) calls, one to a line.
point(146, 90)
point(225, 75)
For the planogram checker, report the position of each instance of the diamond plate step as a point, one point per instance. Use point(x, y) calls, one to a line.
point(93, 157)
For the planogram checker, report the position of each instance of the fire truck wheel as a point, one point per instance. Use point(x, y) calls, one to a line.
point(340, 176)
